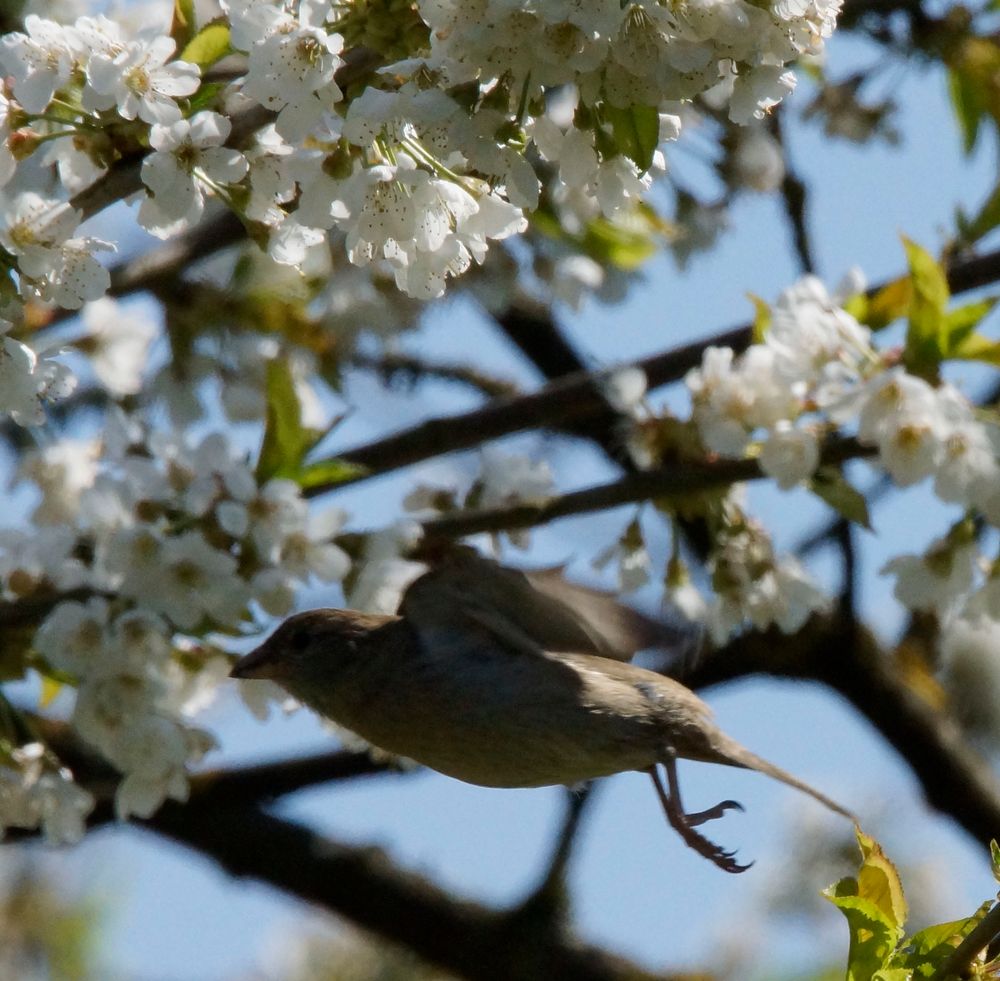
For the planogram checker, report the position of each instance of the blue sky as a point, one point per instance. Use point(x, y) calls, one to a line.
point(637, 889)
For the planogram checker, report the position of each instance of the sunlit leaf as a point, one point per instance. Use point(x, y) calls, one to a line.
point(761, 317)
point(875, 909)
point(636, 131)
point(830, 484)
point(183, 24)
point(985, 220)
point(328, 473)
point(50, 691)
point(208, 46)
point(286, 440)
point(623, 247)
point(927, 313)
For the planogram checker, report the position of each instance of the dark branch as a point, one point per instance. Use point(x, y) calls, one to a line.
point(575, 398)
point(362, 884)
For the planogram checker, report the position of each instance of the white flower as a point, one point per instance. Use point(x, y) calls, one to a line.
point(310, 550)
point(27, 379)
point(757, 91)
point(384, 573)
point(274, 590)
point(69, 275)
point(62, 807)
point(291, 69)
point(624, 389)
point(40, 61)
point(138, 79)
point(935, 581)
point(44, 553)
point(809, 332)
point(187, 153)
point(155, 758)
point(34, 792)
point(7, 162)
point(757, 161)
point(276, 511)
point(904, 418)
point(197, 581)
point(785, 596)
point(271, 178)
point(731, 400)
point(789, 455)
point(118, 344)
point(968, 471)
point(509, 478)
point(971, 672)
point(74, 637)
point(62, 472)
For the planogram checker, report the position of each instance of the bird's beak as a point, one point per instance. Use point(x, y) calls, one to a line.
point(259, 663)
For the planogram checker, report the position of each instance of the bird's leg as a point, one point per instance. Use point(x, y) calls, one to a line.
point(683, 823)
point(711, 813)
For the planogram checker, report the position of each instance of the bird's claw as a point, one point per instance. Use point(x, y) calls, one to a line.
point(711, 813)
point(719, 856)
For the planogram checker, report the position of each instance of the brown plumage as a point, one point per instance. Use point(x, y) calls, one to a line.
point(506, 679)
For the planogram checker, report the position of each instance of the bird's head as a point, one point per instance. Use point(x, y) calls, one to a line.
point(308, 643)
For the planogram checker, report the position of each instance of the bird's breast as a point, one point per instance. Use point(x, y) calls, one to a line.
point(502, 719)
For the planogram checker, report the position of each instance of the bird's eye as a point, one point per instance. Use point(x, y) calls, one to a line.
point(298, 641)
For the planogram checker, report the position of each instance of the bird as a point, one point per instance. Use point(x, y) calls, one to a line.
point(506, 678)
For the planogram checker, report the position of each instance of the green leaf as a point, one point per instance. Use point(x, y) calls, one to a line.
point(761, 318)
point(967, 102)
point(960, 322)
point(209, 45)
point(329, 473)
point(830, 484)
point(183, 25)
point(928, 311)
point(205, 97)
point(987, 218)
point(928, 949)
point(875, 909)
point(636, 131)
point(873, 935)
point(286, 440)
point(623, 247)
point(890, 303)
point(878, 880)
point(995, 859)
point(975, 347)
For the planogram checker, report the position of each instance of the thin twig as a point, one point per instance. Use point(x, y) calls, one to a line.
point(665, 484)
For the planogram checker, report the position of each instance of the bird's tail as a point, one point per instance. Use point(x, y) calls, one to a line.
point(734, 754)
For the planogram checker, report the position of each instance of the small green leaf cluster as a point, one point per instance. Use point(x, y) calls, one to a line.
point(875, 908)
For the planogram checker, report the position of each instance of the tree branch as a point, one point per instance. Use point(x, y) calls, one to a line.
point(464, 937)
point(575, 397)
point(668, 483)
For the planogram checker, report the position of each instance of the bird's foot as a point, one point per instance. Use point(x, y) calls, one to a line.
point(684, 824)
point(700, 817)
point(719, 856)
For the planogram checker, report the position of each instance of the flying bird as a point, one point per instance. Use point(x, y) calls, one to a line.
point(506, 678)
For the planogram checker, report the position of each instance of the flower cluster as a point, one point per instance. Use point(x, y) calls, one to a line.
point(815, 371)
point(173, 542)
point(815, 368)
point(752, 583)
point(413, 176)
point(35, 791)
point(28, 378)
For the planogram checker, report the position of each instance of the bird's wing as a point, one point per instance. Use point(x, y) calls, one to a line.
point(529, 612)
